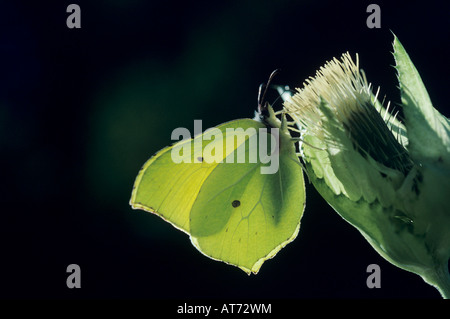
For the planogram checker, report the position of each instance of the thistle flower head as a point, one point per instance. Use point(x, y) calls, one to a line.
point(388, 180)
point(352, 109)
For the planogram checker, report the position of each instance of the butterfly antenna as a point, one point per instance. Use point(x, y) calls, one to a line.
point(281, 91)
point(262, 107)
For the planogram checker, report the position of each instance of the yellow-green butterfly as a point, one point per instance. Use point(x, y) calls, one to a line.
point(237, 212)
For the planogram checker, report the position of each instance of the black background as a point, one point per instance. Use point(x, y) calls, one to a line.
point(82, 109)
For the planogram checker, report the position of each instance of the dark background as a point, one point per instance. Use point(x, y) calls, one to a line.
point(82, 109)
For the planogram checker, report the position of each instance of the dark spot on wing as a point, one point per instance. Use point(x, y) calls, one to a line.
point(235, 203)
point(200, 159)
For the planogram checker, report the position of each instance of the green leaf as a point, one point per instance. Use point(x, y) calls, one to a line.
point(428, 130)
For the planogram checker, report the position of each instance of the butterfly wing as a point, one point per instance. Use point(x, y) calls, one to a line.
point(232, 211)
point(169, 189)
point(244, 217)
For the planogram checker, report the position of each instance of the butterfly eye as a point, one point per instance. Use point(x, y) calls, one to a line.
point(200, 159)
point(236, 203)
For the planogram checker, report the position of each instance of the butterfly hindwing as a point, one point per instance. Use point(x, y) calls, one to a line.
point(247, 217)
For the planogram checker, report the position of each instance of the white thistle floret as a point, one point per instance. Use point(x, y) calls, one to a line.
point(354, 110)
